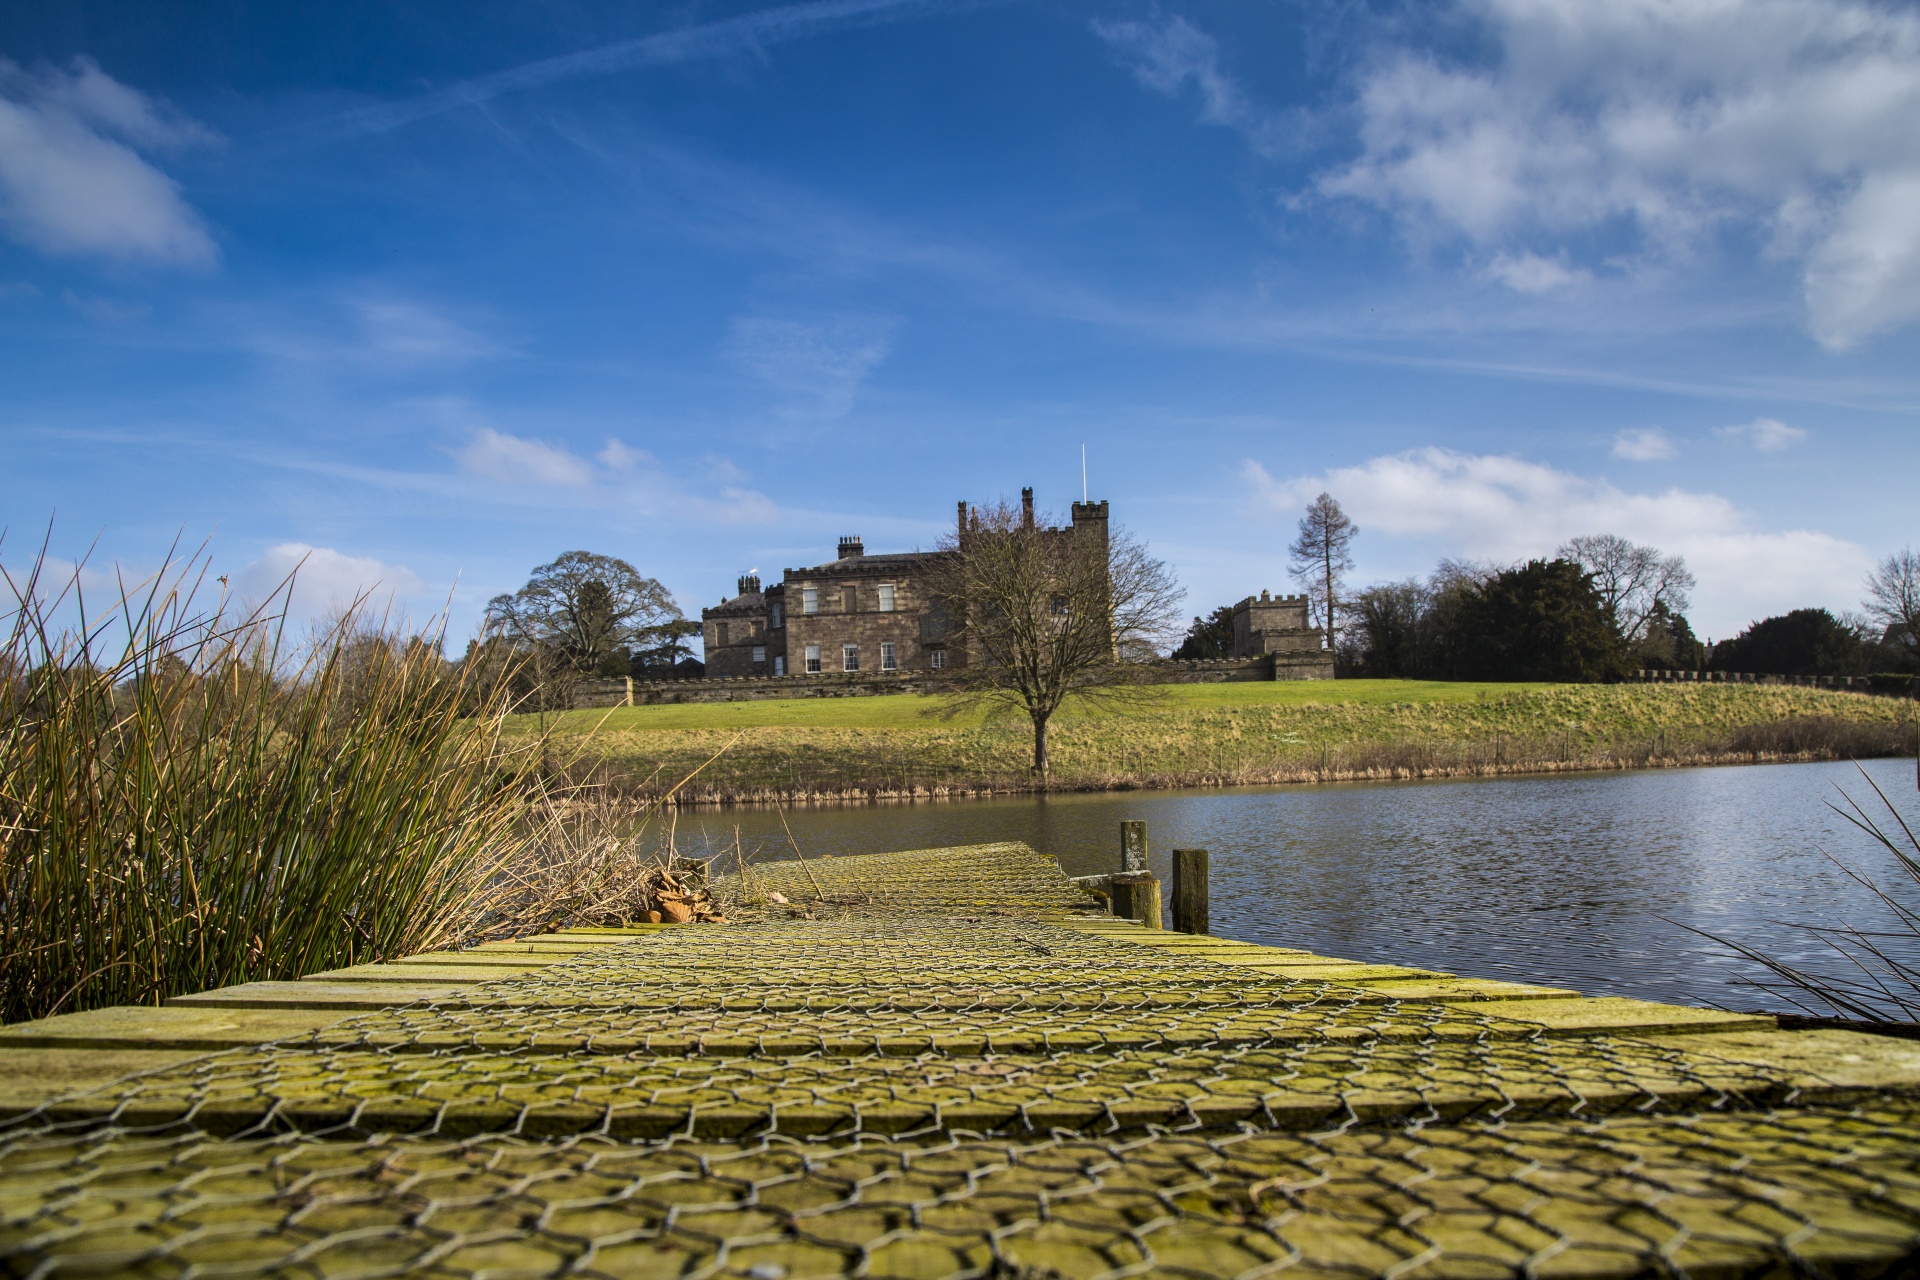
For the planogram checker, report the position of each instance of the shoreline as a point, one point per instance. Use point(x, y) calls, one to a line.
point(771, 797)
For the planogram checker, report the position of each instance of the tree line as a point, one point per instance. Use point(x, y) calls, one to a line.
point(1600, 608)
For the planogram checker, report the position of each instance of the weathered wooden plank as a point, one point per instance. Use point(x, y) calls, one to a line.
point(316, 995)
point(129, 1027)
point(1592, 1014)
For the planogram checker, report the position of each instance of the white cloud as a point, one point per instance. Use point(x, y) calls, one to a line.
point(1507, 509)
point(818, 366)
point(1643, 444)
point(513, 460)
point(72, 176)
point(618, 456)
point(1668, 121)
point(1169, 54)
point(324, 580)
point(632, 479)
point(1769, 435)
point(1530, 273)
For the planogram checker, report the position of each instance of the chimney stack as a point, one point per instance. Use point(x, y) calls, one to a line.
point(1026, 508)
point(963, 518)
point(851, 546)
point(749, 584)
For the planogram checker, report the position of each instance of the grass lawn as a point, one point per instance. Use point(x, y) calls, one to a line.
point(912, 711)
point(1207, 734)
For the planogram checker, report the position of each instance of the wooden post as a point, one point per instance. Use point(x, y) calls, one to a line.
point(629, 690)
point(1133, 846)
point(1190, 890)
point(1135, 895)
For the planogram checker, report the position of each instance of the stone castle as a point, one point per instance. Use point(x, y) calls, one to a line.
point(858, 613)
point(863, 614)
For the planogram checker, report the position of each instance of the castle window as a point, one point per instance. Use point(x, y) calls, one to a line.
point(759, 653)
point(813, 659)
point(849, 657)
point(720, 633)
point(849, 601)
point(886, 597)
point(777, 616)
point(809, 599)
point(888, 662)
point(753, 628)
point(779, 664)
point(937, 659)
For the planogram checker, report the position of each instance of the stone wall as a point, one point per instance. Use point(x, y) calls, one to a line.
point(643, 693)
point(1899, 686)
point(648, 693)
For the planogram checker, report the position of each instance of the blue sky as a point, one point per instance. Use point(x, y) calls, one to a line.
point(429, 293)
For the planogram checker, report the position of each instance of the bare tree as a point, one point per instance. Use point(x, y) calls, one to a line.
point(1321, 557)
point(1045, 616)
point(1893, 597)
point(1633, 581)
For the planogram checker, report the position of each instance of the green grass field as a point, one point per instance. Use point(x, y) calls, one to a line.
point(1193, 735)
point(913, 711)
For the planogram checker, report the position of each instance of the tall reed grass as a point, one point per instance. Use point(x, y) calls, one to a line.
point(1876, 982)
point(188, 798)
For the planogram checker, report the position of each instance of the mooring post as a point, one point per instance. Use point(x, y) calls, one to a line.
point(1135, 895)
point(1190, 890)
point(1133, 846)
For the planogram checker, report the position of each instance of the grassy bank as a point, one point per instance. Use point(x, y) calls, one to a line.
point(1222, 735)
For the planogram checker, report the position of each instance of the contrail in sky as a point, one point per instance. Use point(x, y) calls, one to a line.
point(709, 40)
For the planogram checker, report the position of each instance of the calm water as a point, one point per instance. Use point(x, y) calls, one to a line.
point(1582, 881)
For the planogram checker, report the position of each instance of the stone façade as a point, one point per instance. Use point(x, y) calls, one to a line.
point(859, 613)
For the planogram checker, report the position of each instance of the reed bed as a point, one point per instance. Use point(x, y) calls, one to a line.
point(1183, 741)
point(188, 799)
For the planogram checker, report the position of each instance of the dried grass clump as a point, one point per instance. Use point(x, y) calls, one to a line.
point(595, 858)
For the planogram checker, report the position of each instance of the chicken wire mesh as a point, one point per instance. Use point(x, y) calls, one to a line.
point(938, 1075)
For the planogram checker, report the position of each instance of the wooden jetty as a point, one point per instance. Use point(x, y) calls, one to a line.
point(944, 1063)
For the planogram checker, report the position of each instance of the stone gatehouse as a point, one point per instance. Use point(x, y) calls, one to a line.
point(857, 613)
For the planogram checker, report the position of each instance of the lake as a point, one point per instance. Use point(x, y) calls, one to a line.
point(1588, 881)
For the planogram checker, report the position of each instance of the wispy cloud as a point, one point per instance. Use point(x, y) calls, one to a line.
point(514, 460)
point(106, 311)
point(1643, 444)
point(1768, 435)
point(816, 365)
point(1505, 509)
point(747, 33)
point(1168, 54)
point(73, 179)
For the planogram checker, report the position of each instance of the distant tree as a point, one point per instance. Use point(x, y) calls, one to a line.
point(1384, 628)
point(1047, 616)
point(1209, 637)
point(1805, 642)
point(1667, 643)
point(1542, 621)
point(669, 649)
point(1893, 602)
point(1632, 580)
point(581, 615)
point(1321, 556)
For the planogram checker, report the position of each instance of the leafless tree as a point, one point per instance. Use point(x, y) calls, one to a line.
point(1045, 616)
point(1632, 580)
point(1893, 595)
point(1321, 556)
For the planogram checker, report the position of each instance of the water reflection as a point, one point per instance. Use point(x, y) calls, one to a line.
point(1583, 881)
